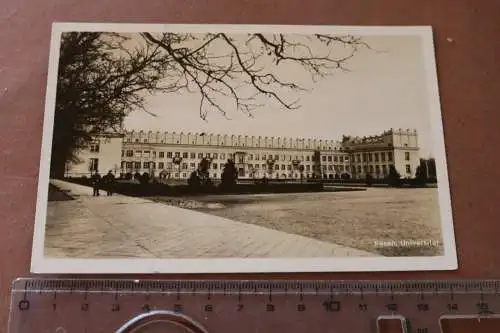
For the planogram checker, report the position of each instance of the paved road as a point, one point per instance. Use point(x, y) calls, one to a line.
point(125, 227)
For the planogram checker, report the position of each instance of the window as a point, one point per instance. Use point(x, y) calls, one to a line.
point(222, 156)
point(184, 166)
point(154, 154)
point(323, 158)
point(153, 165)
point(184, 175)
point(200, 155)
point(184, 155)
point(384, 169)
point(329, 158)
point(376, 157)
point(407, 156)
point(130, 153)
point(389, 156)
point(94, 164)
point(129, 165)
point(358, 158)
point(161, 154)
point(161, 165)
point(192, 155)
point(214, 166)
point(147, 153)
point(94, 147)
point(359, 168)
point(263, 166)
point(128, 140)
point(192, 165)
point(145, 140)
point(276, 167)
point(215, 156)
point(382, 157)
point(177, 154)
point(408, 168)
point(335, 158)
point(138, 153)
point(256, 166)
point(145, 165)
point(308, 158)
point(308, 167)
point(123, 153)
point(221, 166)
point(341, 159)
point(371, 168)
point(137, 165)
point(289, 167)
point(136, 140)
point(377, 169)
point(370, 158)
point(276, 157)
point(282, 167)
point(169, 154)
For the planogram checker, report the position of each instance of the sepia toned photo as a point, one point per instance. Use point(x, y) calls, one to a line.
point(227, 148)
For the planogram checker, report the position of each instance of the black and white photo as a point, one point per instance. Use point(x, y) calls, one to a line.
point(230, 148)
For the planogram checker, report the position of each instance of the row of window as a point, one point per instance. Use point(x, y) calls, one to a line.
point(223, 156)
point(223, 143)
point(377, 169)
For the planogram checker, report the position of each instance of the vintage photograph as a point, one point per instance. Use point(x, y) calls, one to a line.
point(227, 148)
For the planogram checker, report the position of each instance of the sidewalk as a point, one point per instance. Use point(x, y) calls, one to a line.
point(126, 227)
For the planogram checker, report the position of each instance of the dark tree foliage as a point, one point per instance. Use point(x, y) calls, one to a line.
point(99, 82)
point(229, 174)
point(369, 180)
point(393, 178)
point(194, 180)
point(103, 76)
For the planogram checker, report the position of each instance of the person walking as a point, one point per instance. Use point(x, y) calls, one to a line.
point(109, 180)
point(95, 181)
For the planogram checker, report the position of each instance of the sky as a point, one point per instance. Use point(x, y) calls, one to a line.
point(384, 88)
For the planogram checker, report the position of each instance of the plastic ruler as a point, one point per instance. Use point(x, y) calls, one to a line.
point(224, 306)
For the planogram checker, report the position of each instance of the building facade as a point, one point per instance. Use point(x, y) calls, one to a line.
point(176, 155)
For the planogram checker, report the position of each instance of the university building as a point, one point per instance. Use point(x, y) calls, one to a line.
point(175, 155)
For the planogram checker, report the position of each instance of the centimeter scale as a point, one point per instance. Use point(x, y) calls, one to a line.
point(224, 306)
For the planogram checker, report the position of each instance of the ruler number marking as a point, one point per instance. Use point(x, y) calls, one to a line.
point(239, 307)
point(209, 308)
point(115, 307)
point(24, 305)
point(363, 307)
point(423, 307)
point(392, 307)
point(178, 308)
point(452, 306)
point(331, 306)
point(85, 307)
point(270, 307)
point(301, 307)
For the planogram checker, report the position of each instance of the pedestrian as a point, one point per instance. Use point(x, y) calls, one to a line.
point(109, 180)
point(95, 180)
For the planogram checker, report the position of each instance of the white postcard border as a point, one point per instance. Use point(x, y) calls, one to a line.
point(41, 264)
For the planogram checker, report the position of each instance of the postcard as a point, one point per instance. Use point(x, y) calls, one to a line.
point(242, 148)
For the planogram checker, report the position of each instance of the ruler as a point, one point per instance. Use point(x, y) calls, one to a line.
point(244, 306)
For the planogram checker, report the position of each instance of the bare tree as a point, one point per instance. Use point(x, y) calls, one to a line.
point(104, 76)
point(242, 68)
